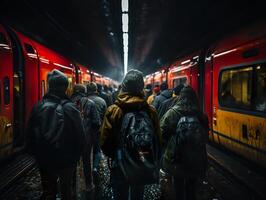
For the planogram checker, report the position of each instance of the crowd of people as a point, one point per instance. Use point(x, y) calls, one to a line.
point(141, 131)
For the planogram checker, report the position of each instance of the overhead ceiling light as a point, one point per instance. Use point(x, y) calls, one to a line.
point(125, 19)
point(125, 28)
point(124, 5)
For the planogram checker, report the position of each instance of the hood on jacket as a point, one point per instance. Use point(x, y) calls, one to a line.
point(57, 82)
point(188, 100)
point(128, 101)
point(167, 93)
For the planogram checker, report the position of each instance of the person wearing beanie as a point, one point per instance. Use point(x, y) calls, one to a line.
point(169, 103)
point(130, 99)
point(55, 137)
point(101, 93)
point(164, 94)
point(101, 107)
point(92, 93)
point(91, 123)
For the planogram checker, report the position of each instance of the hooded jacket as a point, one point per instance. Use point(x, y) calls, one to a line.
point(73, 134)
point(91, 118)
point(158, 100)
point(113, 119)
point(186, 104)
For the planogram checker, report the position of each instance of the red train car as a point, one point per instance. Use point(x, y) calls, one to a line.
point(235, 93)
point(24, 65)
point(230, 79)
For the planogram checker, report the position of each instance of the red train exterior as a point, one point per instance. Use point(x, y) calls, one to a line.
point(230, 79)
point(24, 65)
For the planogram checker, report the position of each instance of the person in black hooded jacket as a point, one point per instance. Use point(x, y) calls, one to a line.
point(186, 105)
point(91, 122)
point(55, 137)
point(165, 94)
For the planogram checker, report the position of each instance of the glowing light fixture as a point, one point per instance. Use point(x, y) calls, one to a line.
point(125, 20)
point(124, 5)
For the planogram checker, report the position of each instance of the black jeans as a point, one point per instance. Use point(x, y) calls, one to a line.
point(122, 190)
point(185, 188)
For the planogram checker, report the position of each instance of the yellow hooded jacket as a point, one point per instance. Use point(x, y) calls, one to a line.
point(113, 119)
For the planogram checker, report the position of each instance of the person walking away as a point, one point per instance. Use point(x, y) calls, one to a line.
point(185, 131)
point(115, 93)
point(168, 103)
point(104, 95)
point(91, 123)
point(55, 137)
point(165, 94)
point(99, 102)
point(101, 108)
point(131, 134)
point(156, 92)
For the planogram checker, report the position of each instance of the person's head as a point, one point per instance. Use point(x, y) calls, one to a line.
point(92, 88)
point(105, 88)
point(99, 87)
point(163, 86)
point(79, 89)
point(133, 82)
point(188, 99)
point(57, 82)
point(156, 89)
point(178, 89)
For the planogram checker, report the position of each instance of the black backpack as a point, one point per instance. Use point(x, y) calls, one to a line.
point(50, 134)
point(185, 154)
point(137, 156)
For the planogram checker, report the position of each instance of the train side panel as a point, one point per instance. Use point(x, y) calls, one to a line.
point(6, 94)
point(239, 101)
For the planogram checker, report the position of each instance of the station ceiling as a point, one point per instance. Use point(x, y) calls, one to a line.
point(90, 31)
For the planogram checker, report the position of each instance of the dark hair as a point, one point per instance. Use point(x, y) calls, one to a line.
point(163, 86)
point(188, 99)
point(133, 82)
point(91, 88)
point(178, 89)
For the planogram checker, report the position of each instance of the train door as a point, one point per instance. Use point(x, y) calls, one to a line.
point(6, 99)
point(18, 91)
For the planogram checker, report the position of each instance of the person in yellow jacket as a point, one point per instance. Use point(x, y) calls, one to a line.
point(156, 91)
point(130, 98)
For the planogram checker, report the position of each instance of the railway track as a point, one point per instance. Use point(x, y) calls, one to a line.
point(233, 179)
point(14, 170)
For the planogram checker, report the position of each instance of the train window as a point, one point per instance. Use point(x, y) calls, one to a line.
point(235, 85)
point(260, 87)
point(179, 81)
point(29, 48)
point(3, 39)
point(6, 85)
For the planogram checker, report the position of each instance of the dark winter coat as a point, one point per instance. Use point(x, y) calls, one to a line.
point(40, 123)
point(168, 103)
point(100, 105)
point(106, 97)
point(158, 100)
point(89, 112)
point(113, 119)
